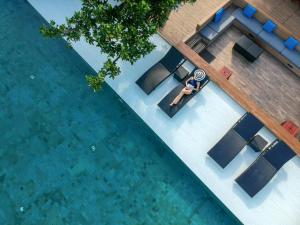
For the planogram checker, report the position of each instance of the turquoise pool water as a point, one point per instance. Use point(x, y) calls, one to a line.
point(69, 156)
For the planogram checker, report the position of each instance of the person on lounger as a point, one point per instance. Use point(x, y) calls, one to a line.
point(192, 84)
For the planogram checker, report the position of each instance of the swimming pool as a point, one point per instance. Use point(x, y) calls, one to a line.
point(69, 156)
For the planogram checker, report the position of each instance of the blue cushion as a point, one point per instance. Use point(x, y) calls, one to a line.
point(208, 33)
point(225, 22)
point(249, 11)
point(219, 15)
point(269, 26)
point(291, 43)
point(251, 23)
point(293, 56)
point(272, 40)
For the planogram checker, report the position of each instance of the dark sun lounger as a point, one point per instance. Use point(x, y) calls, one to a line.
point(164, 104)
point(265, 167)
point(160, 71)
point(235, 139)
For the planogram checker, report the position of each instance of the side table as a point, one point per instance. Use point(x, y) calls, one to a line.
point(181, 73)
point(258, 143)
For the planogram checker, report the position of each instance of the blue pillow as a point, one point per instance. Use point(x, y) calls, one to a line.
point(291, 43)
point(249, 11)
point(219, 15)
point(269, 26)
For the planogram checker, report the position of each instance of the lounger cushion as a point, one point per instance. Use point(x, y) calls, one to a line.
point(249, 11)
point(235, 139)
point(251, 23)
point(265, 167)
point(248, 126)
point(164, 104)
point(279, 154)
point(256, 176)
point(227, 148)
point(219, 15)
point(293, 56)
point(224, 23)
point(269, 26)
point(172, 59)
point(291, 43)
point(158, 73)
point(208, 33)
point(272, 40)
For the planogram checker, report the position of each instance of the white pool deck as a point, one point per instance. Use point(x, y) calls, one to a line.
point(194, 130)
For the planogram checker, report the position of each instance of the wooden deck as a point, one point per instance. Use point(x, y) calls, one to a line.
point(280, 100)
point(271, 85)
point(182, 22)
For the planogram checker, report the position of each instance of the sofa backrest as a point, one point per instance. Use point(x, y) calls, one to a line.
point(262, 17)
point(203, 22)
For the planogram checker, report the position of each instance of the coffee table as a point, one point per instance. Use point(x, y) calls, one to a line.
point(248, 48)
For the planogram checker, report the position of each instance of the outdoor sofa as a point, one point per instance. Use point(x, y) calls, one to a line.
point(259, 27)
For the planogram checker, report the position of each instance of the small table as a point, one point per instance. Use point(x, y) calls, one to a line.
point(181, 73)
point(258, 143)
point(247, 48)
point(292, 128)
point(226, 72)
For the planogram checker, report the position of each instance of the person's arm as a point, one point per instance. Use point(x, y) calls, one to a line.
point(186, 82)
point(198, 86)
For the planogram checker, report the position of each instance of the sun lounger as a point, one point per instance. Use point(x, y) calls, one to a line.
point(164, 104)
point(160, 71)
point(235, 140)
point(256, 177)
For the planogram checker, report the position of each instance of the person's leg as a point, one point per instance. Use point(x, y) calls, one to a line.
point(183, 92)
point(178, 97)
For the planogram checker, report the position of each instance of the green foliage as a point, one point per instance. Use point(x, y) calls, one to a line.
point(120, 29)
point(109, 69)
